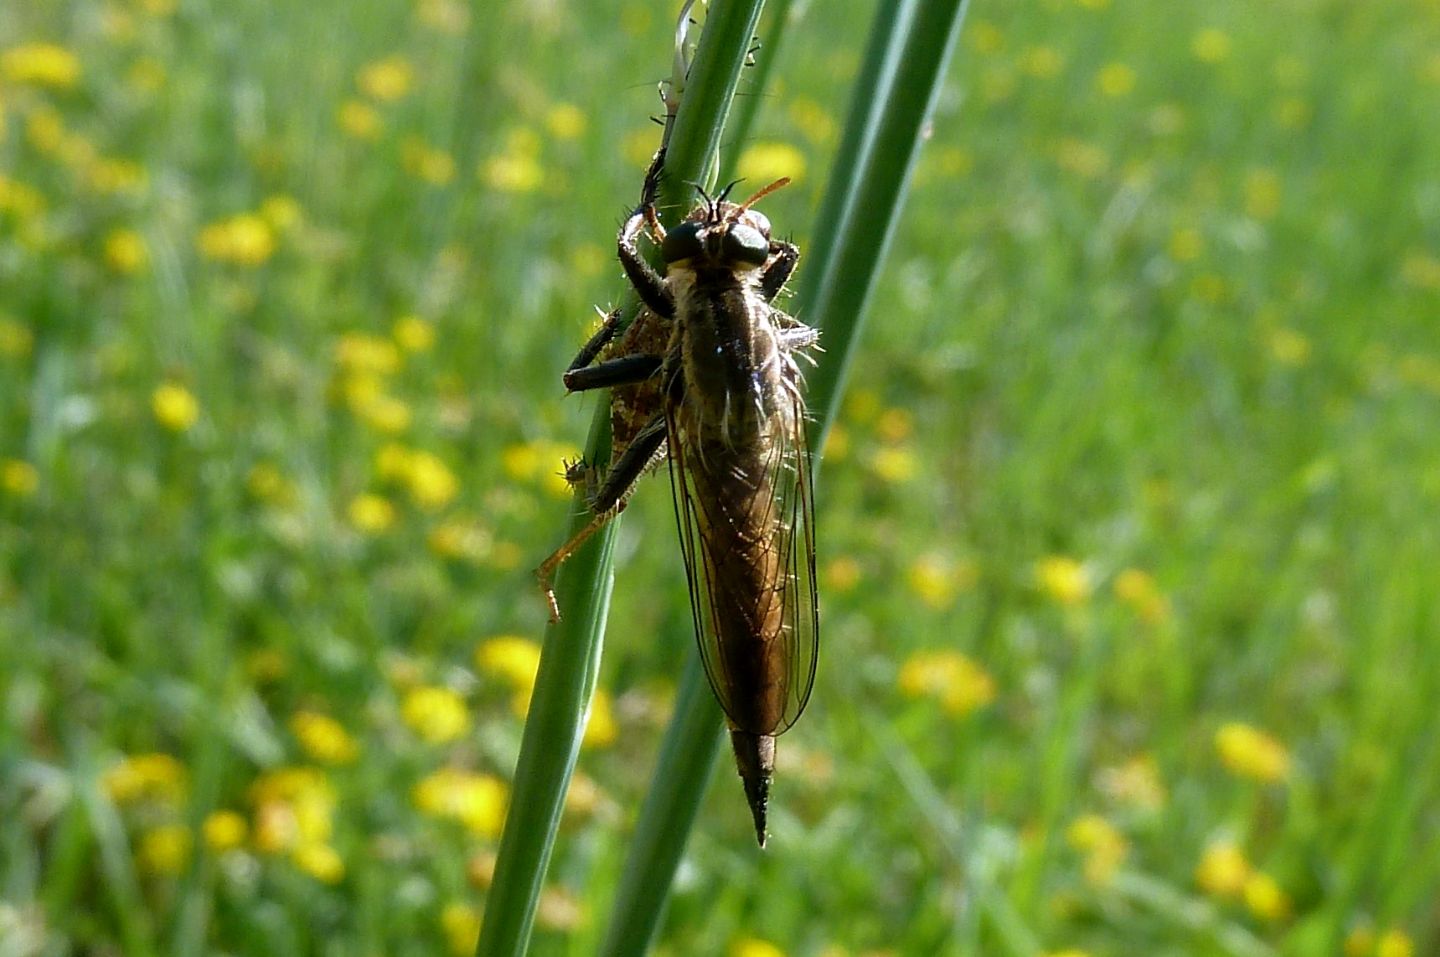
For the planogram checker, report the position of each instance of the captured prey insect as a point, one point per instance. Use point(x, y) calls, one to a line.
point(722, 396)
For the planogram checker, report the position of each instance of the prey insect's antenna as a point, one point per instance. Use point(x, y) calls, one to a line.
point(778, 184)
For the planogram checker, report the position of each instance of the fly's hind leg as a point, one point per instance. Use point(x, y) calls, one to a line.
point(608, 501)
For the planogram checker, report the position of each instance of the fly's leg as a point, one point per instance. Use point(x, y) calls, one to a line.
point(626, 370)
point(598, 341)
point(608, 501)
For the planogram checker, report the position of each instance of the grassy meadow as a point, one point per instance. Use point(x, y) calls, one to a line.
point(1127, 529)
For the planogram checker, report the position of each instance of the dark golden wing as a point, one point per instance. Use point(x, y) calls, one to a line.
point(745, 514)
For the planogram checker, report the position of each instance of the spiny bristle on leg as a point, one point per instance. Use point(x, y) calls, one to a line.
point(755, 758)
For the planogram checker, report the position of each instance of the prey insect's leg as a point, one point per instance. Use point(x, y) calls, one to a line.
point(777, 272)
point(598, 341)
point(609, 501)
point(626, 370)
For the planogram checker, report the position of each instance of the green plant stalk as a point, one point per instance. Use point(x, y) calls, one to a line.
point(866, 195)
point(570, 654)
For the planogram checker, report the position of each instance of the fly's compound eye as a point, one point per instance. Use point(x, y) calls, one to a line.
point(682, 242)
point(757, 219)
point(745, 244)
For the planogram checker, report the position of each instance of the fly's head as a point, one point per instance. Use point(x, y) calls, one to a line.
point(719, 235)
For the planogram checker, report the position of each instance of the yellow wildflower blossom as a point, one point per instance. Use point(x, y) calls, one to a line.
point(386, 80)
point(294, 806)
point(359, 119)
point(436, 714)
point(510, 657)
point(175, 407)
point(428, 163)
point(1064, 579)
point(1248, 752)
point(812, 120)
point(1264, 897)
point(1115, 79)
point(1103, 845)
point(477, 801)
point(108, 175)
point(281, 211)
point(985, 37)
point(763, 163)
point(371, 513)
point(565, 121)
point(1223, 870)
point(138, 777)
point(512, 173)
point(413, 334)
point(461, 924)
point(1135, 783)
point(1360, 942)
point(18, 478)
point(754, 947)
point(40, 64)
point(1262, 194)
point(1138, 590)
point(460, 539)
point(146, 76)
point(894, 464)
point(1211, 45)
point(1289, 347)
point(447, 16)
point(1081, 158)
point(224, 831)
point(1394, 943)
point(432, 484)
point(937, 580)
point(559, 910)
point(242, 240)
point(320, 861)
point(323, 738)
point(841, 574)
point(837, 443)
point(959, 683)
point(601, 730)
point(1186, 244)
point(16, 340)
point(360, 352)
point(267, 483)
point(125, 251)
point(1041, 62)
point(165, 850)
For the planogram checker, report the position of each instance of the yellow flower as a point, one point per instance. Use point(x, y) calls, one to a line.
point(43, 64)
point(386, 80)
point(812, 120)
point(294, 806)
point(601, 731)
point(1262, 194)
point(754, 947)
point(243, 240)
point(1065, 580)
point(359, 119)
point(1211, 45)
point(1081, 158)
point(894, 464)
point(115, 176)
point(447, 16)
point(510, 657)
point(147, 75)
point(1292, 112)
point(19, 478)
point(841, 575)
point(477, 801)
point(125, 251)
point(16, 340)
point(431, 164)
point(1136, 783)
point(460, 539)
point(763, 163)
point(1138, 590)
point(323, 738)
point(986, 37)
point(1360, 942)
point(320, 861)
point(937, 580)
point(559, 910)
point(1265, 898)
point(360, 352)
point(461, 924)
point(1289, 347)
point(1115, 79)
point(268, 484)
point(565, 121)
point(1248, 752)
point(1223, 870)
point(174, 407)
point(414, 334)
point(435, 713)
point(281, 211)
point(432, 484)
point(224, 831)
point(1041, 62)
point(165, 849)
point(152, 776)
point(1103, 845)
point(959, 683)
point(1394, 943)
point(371, 513)
point(510, 173)
point(1186, 244)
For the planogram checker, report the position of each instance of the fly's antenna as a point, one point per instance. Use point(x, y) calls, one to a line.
point(778, 184)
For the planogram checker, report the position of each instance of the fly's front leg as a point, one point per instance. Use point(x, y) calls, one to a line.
point(608, 328)
point(607, 502)
point(647, 282)
point(626, 370)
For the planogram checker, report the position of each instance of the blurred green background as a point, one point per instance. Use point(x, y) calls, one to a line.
point(1127, 530)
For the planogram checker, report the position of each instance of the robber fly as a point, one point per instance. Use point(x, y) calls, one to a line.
point(723, 398)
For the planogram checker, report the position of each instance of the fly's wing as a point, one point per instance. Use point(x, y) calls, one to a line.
point(747, 533)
